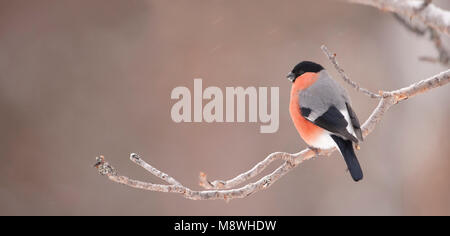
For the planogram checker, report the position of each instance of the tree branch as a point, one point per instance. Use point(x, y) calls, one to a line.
point(332, 58)
point(421, 29)
point(444, 53)
point(425, 11)
point(221, 189)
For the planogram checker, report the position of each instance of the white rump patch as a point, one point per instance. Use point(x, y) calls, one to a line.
point(324, 141)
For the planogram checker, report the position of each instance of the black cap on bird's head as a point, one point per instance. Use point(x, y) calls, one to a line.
point(303, 67)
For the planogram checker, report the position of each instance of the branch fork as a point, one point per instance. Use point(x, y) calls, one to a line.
point(437, 19)
point(223, 189)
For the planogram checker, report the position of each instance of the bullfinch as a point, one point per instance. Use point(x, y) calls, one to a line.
point(322, 114)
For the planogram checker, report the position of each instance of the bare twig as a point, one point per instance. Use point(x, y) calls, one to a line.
point(292, 160)
point(221, 189)
point(444, 53)
point(425, 11)
point(332, 58)
point(435, 37)
point(136, 159)
point(424, 5)
point(414, 28)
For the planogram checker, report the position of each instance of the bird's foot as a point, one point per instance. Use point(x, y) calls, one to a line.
point(315, 150)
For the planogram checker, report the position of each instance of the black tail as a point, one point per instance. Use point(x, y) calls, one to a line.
point(348, 153)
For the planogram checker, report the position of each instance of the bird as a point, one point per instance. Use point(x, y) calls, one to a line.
point(322, 114)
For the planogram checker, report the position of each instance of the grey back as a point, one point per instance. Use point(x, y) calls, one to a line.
point(324, 93)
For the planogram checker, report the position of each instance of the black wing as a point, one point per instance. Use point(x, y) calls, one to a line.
point(333, 121)
point(355, 122)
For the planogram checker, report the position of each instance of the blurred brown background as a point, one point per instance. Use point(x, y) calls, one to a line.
point(84, 78)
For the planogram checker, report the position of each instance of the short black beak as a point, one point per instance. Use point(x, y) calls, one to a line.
point(291, 77)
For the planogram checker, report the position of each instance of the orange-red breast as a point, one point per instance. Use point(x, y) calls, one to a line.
point(322, 114)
